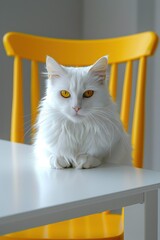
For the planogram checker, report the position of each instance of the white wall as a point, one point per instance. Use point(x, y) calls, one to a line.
point(156, 96)
point(104, 19)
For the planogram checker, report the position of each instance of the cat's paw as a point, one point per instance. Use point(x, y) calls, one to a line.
point(87, 161)
point(59, 162)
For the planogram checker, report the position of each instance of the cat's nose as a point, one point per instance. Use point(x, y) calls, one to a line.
point(76, 108)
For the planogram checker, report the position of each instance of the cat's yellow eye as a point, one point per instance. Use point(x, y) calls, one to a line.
point(65, 94)
point(88, 93)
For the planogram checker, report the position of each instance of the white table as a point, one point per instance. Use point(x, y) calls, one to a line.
point(33, 194)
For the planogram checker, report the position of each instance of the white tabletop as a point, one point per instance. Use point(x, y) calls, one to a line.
point(31, 193)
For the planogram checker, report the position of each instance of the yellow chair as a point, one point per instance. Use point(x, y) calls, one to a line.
point(80, 53)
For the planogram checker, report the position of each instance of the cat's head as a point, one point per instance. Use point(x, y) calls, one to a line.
point(77, 92)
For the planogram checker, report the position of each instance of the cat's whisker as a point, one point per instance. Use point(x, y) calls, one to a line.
point(105, 128)
point(109, 115)
point(111, 121)
point(28, 131)
point(116, 125)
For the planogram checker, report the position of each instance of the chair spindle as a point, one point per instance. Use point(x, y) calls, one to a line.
point(35, 92)
point(17, 121)
point(138, 120)
point(113, 81)
point(126, 95)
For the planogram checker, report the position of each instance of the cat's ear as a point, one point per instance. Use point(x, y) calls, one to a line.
point(99, 68)
point(54, 69)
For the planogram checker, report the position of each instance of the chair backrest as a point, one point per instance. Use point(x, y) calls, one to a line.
point(81, 53)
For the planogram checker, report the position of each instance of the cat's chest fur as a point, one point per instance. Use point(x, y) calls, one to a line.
point(69, 138)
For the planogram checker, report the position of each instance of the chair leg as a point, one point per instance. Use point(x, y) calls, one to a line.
point(134, 222)
point(151, 215)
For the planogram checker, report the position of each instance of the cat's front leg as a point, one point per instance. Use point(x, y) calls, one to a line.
point(87, 161)
point(59, 162)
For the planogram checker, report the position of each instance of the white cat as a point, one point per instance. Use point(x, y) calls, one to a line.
point(78, 124)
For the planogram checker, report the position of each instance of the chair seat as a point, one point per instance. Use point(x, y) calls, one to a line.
point(97, 226)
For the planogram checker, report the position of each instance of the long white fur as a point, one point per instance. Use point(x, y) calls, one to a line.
point(86, 139)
